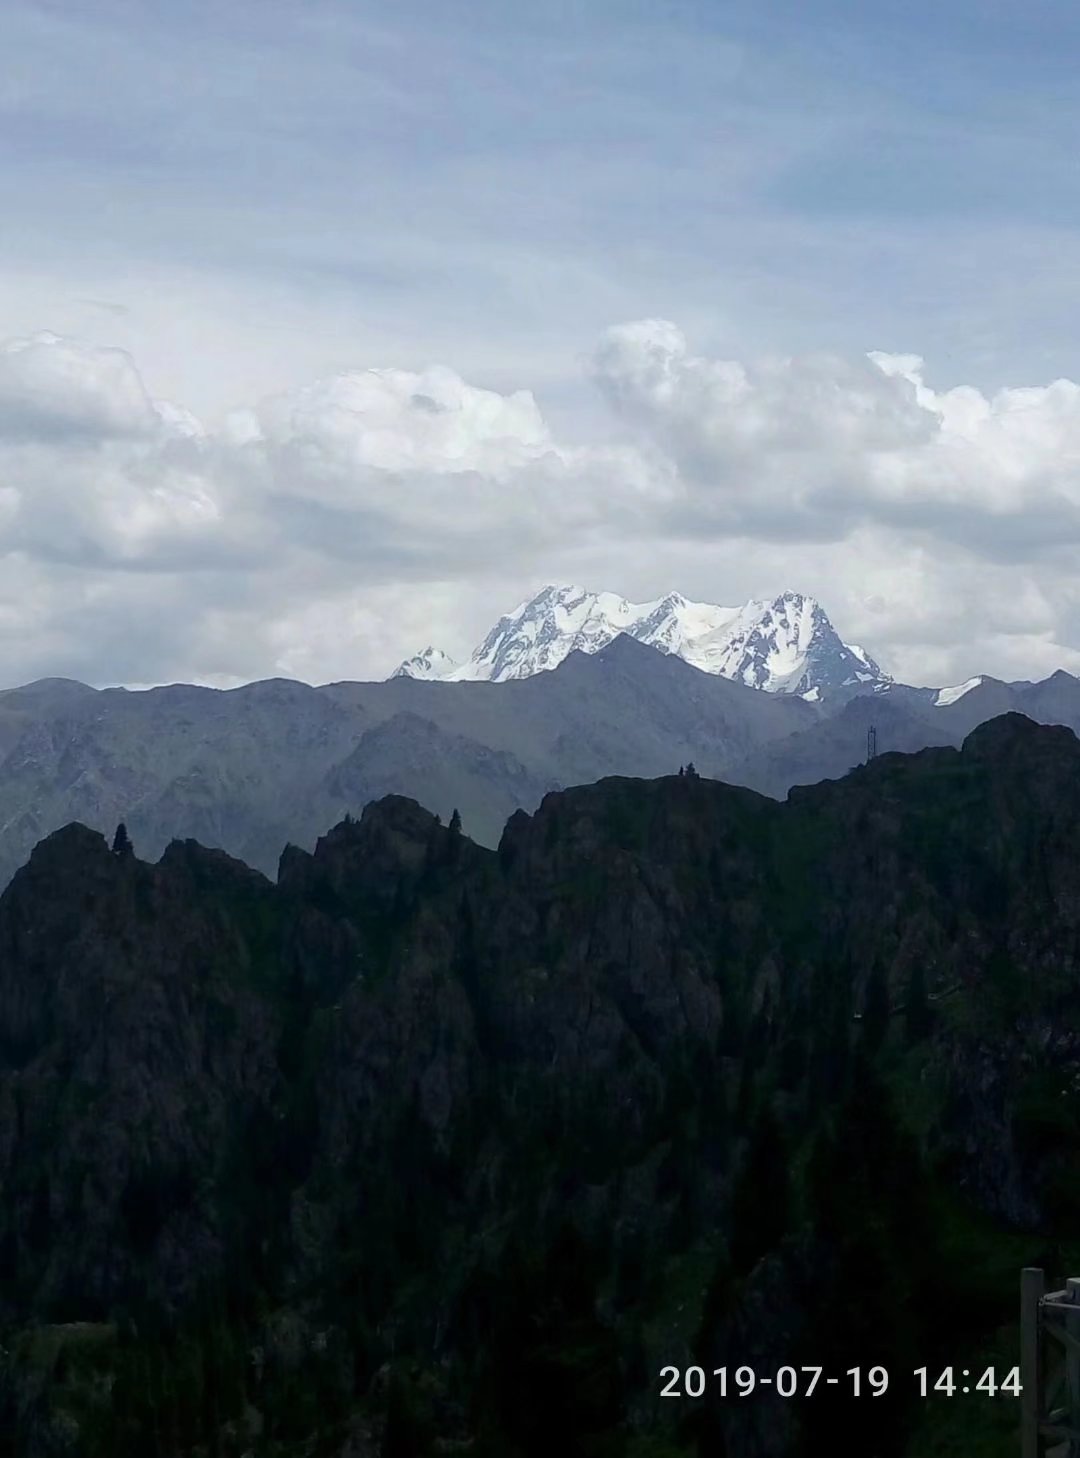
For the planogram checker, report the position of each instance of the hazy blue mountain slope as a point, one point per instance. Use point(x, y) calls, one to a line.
point(249, 769)
point(252, 768)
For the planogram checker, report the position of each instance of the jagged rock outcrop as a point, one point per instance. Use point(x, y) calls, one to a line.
point(462, 1117)
point(135, 1045)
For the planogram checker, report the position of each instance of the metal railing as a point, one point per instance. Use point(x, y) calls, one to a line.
point(1049, 1367)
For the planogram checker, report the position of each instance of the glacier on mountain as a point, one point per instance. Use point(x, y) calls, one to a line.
point(783, 645)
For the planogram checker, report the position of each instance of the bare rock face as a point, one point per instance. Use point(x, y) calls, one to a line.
point(135, 1045)
point(455, 1116)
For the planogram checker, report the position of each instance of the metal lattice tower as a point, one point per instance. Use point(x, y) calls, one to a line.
point(871, 743)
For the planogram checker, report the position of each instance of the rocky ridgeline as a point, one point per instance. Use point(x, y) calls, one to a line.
point(414, 1146)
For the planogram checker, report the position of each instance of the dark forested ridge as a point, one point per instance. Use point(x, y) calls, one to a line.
point(434, 1149)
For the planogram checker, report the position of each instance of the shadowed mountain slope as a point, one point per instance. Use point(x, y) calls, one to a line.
point(428, 1144)
point(253, 768)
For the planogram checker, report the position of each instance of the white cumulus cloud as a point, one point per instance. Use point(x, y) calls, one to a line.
point(52, 387)
point(806, 448)
point(321, 530)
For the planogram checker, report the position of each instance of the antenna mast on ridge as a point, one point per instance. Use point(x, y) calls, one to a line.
point(871, 743)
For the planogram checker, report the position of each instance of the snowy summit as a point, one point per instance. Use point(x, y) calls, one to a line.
point(786, 645)
point(430, 663)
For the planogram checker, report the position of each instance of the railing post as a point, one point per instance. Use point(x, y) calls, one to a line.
point(1072, 1361)
point(1032, 1290)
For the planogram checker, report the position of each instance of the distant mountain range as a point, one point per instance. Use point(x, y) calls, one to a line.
point(252, 768)
point(786, 645)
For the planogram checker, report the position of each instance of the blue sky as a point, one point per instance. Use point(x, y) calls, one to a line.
point(438, 177)
point(249, 197)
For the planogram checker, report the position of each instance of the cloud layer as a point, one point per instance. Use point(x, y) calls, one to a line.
point(327, 530)
point(808, 448)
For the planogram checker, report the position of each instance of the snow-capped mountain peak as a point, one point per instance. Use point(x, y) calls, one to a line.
point(430, 663)
point(786, 645)
point(782, 645)
point(540, 632)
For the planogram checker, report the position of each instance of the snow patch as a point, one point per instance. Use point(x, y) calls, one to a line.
point(430, 663)
point(948, 696)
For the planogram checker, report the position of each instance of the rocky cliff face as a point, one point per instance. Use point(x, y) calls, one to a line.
point(428, 1144)
point(136, 1043)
